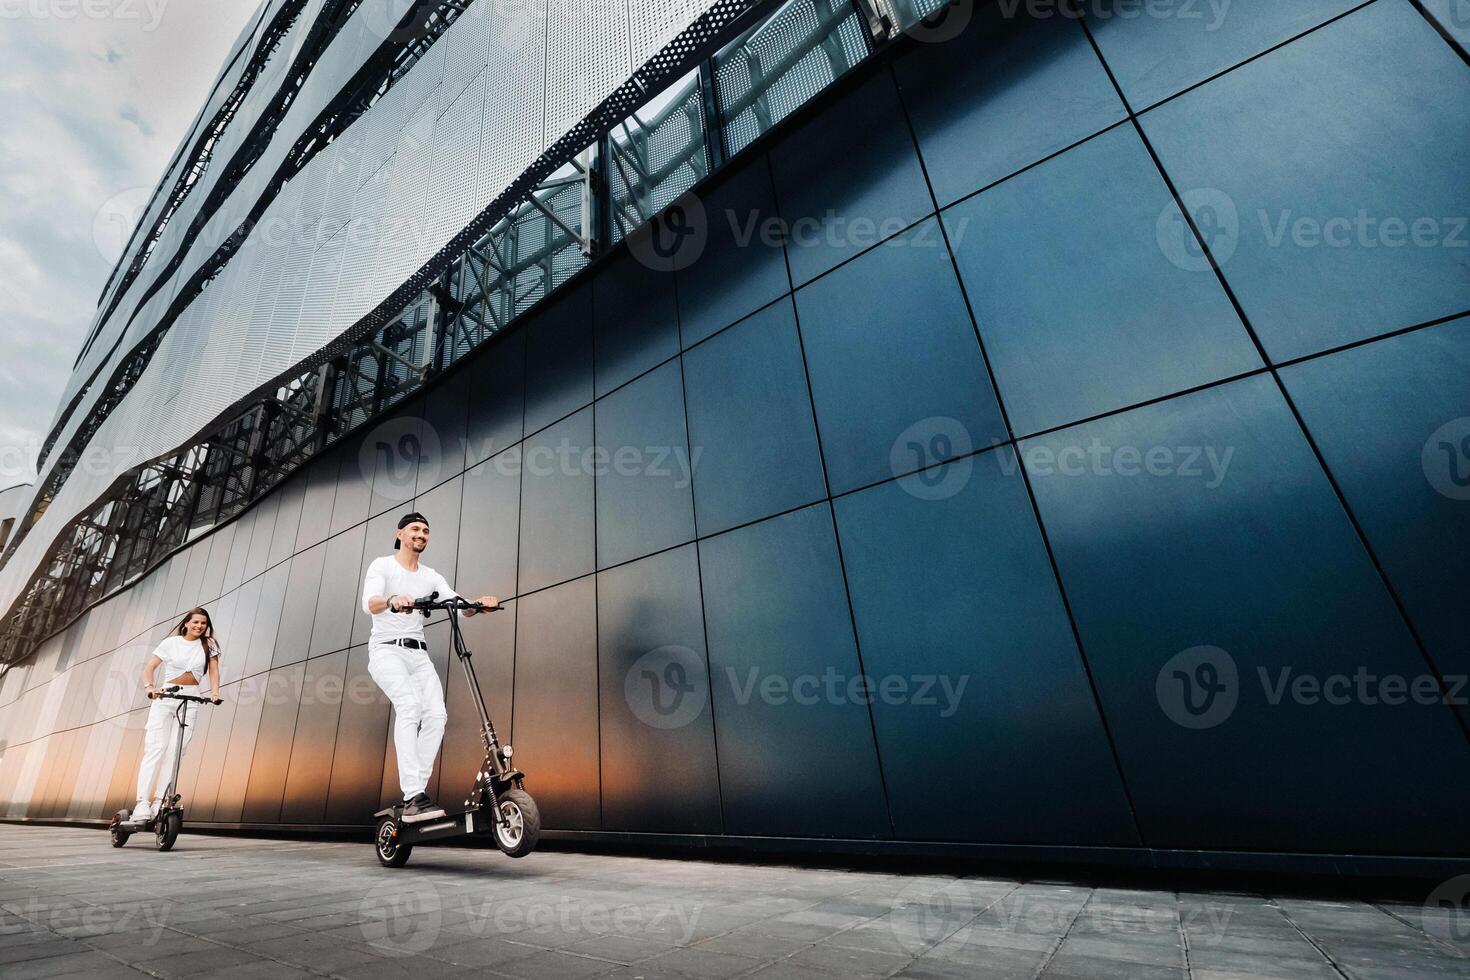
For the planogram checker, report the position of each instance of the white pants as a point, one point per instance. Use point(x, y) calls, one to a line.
point(161, 739)
point(411, 683)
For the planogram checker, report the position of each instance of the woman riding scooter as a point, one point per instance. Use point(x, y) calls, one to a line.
point(191, 651)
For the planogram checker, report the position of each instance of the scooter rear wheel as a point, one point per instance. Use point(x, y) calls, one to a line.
point(118, 835)
point(524, 824)
point(169, 826)
point(391, 854)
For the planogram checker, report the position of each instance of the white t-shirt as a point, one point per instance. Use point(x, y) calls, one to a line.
point(387, 578)
point(180, 655)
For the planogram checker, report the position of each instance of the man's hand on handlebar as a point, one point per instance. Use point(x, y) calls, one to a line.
point(400, 603)
point(488, 602)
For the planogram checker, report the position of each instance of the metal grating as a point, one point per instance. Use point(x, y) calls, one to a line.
point(776, 66)
point(656, 154)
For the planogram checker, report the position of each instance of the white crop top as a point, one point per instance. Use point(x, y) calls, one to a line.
point(180, 655)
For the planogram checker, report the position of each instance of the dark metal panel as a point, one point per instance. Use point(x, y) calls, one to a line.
point(1245, 522)
point(490, 526)
point(444, 435)
point(281, 695)
point(559, 358)
point(797, 755)
point(644, 497)
point(497, 400)
point(362, 737)
point(260, 540)
point(974, 665)
point(337, 603)
point(288, 519)
point(316, 505)
point(219, 545)
point(396, 446)
point(308, 775)
point(293, 639)
point(557, 540)
point(556, 702)
point(750, 417)
point(354, 484)
point(1383, 416)
point(239, 551)
point(441, 506)
point(659, 772)
point(635, 320)
point(211, 752)
point(898, 380)
point(733, 276)
point(378, 542)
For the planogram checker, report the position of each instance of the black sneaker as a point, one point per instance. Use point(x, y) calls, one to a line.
point(421, 808)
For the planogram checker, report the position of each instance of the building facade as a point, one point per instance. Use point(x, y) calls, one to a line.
point(1017, 432)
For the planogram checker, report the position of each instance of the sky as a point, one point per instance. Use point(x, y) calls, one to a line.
point(95, 96)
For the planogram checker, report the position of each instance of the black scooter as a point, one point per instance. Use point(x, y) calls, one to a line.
point(497, 805)
point(169, 819)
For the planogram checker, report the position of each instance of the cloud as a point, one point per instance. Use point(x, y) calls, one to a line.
point(94, 108)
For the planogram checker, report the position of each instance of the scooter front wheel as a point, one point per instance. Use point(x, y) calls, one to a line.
point(169, 826)
point(391, 854)
point(518, 833)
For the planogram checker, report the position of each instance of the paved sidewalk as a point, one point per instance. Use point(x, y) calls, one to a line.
point(72, 906)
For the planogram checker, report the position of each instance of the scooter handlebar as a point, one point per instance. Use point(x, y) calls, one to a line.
point(432, 602)
point(172, 693)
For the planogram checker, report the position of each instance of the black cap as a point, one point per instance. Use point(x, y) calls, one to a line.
point(405, 521)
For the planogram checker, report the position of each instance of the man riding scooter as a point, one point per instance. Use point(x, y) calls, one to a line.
point(398, 659)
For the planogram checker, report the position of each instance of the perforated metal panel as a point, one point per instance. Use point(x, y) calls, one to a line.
point(515, 76)
point(403, 240)
point(454, 171)
point(466, 49)
point(363, 236)
point(588, 55)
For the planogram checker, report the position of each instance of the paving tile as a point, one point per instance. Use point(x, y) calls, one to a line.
point(82, 961)
point(704, 963)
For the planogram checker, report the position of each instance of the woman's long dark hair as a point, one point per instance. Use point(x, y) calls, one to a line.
point(211, 645)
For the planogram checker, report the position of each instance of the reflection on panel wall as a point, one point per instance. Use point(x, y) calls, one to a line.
point(977, 507)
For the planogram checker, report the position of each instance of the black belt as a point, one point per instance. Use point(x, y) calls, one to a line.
point(411, 644)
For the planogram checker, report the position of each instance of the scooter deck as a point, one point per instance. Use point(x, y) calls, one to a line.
point(450, 825)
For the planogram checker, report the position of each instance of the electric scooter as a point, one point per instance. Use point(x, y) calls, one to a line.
point(498, 804)
point(169, 819)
